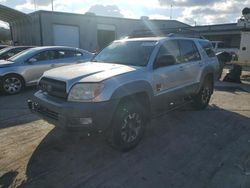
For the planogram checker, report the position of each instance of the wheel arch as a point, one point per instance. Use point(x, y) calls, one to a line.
point(141, 99)
point(15, 74)
point(209, 75)
point(138, 91)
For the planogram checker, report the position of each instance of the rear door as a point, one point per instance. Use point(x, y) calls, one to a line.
point(68, 57)
point(210, 57)
point(190, 66)
point(65, 57)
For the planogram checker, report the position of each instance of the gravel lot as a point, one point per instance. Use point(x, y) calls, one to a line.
point(183, 149)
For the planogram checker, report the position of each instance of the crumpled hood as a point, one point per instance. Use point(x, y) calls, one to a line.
point(87, 72)
point(5, 63)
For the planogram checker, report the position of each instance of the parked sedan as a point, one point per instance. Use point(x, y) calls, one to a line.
point(25, 68)
point(2, 46)
point(10, 51)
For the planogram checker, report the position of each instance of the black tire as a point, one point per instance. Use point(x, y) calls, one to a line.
point(128, 126)
point(201, 100)
point(12, 84)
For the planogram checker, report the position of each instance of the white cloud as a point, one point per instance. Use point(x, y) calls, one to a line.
point(4, 25)
point(216, 12)
point(188, 11)
point(158, 17)
point(108, 10)
point(128, 14)
point(29, 6)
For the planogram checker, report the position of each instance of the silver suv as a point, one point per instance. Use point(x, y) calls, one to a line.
point(126, 84)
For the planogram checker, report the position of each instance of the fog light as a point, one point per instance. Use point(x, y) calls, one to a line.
point(86, 121)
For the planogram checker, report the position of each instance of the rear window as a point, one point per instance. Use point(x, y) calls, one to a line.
point(208, 48)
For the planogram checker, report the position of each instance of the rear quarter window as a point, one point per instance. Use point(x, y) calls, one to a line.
point(208, 48)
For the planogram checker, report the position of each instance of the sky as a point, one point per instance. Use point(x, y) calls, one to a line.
point(193, 12)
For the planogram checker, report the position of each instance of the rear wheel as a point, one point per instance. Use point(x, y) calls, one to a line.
point(12, 84)
point(128, 126)
point(201, 100)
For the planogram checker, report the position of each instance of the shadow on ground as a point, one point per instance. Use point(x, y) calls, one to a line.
point(7, 179)
point(14, 110)
point(182, 149)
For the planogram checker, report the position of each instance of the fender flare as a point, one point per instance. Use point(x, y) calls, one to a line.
point(133, 88)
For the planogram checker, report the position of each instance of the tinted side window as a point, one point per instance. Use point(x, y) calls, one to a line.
point(46, 55)
point(77, 53)
point(189, 51)
point(208, 48)
point(170, 48)
point(68, 53)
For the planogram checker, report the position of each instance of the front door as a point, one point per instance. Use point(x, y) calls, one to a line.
point(166, 79)
point(38, 64)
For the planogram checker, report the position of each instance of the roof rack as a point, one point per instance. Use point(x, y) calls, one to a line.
point(170, 32)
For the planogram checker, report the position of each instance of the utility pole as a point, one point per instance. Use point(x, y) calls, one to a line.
point(171, 6)
point(35, 4)
point(52, 5)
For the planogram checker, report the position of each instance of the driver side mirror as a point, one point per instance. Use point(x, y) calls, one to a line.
point(32, 60)
point(164, 60)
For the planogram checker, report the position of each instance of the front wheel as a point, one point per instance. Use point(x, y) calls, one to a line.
point(128, 127)
point(201, 100)
point(12, 84)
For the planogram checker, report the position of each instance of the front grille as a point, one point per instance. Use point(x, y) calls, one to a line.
point(46, 112)
point(53, 87)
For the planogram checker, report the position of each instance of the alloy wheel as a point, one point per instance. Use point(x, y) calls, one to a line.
point(205, 94)
point(12, 85)
point(132, 124)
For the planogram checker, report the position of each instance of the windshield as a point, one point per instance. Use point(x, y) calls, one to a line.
point(4, 50)
point(136, 53)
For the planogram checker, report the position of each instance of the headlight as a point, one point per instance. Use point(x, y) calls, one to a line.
point(85, 92)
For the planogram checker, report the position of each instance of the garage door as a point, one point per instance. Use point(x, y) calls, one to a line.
point(65, 35)
point(105, 34)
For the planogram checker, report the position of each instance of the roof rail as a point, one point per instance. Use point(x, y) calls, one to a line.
point(170, 32)
point(185, 35)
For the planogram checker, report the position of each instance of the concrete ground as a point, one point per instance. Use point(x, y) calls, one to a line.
point(182, 149)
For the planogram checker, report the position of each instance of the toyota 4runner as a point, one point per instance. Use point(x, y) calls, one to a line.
point(126, 84)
